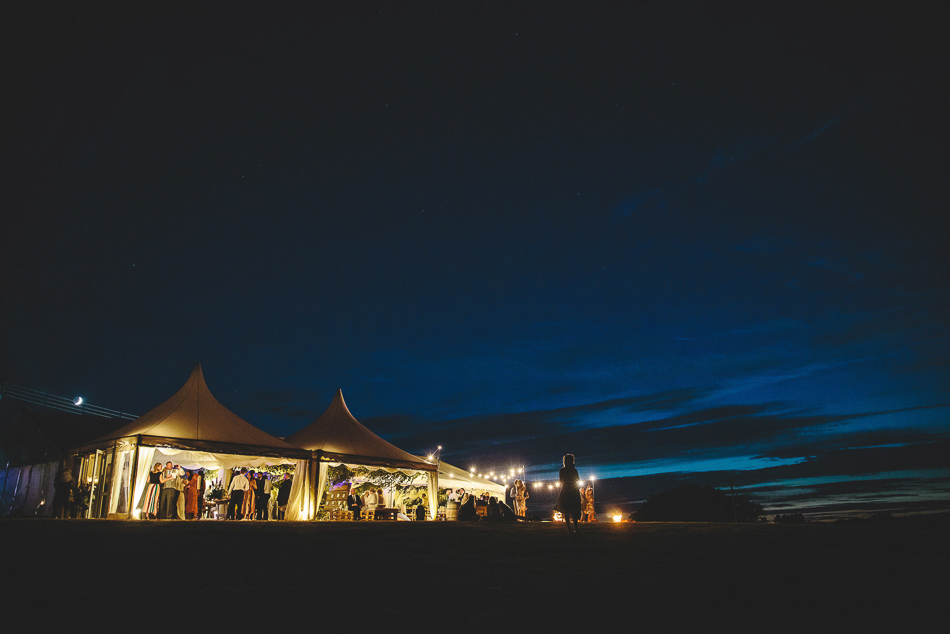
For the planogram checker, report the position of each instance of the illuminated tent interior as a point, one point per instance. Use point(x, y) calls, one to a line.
point(335, 438)
point(192, 429)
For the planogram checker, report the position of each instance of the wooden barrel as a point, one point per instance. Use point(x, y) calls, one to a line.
point(452, 511)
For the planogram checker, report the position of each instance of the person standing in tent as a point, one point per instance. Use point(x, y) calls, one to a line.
point(193, 496)
point(168, 507)
point(153, 493)
point(238, 486)
point(283, 495)
point(180, 484)
point(354, 503)
point(569, 498)
point(247, 506)
point(263, 496)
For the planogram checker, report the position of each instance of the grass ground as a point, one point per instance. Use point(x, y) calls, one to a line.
point(459, 576)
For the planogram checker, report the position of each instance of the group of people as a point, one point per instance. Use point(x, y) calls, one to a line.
point(177, 493)
point(519, 497)
point(468, 503)
point(173, 493)
point(249, 495)
point(374, 498)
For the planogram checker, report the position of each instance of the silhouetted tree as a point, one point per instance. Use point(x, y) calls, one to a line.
point(697, 504)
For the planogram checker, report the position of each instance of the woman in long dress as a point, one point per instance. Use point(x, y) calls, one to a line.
point(589, 504)
point(193, 496)
point(248, 505)
point(150, 506)
point(569, 498)
point(180, 484)
point(521, 498)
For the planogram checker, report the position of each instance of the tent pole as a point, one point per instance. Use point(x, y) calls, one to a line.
point(115, 448)
point(16, 487)
point(29, 482)
point(95, 481)
point(132, 476)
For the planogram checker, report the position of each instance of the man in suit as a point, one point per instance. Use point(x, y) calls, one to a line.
point(355, 503)
point(283, 495)
point(263, 496)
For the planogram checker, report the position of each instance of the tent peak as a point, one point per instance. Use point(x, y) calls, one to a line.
point(194, 414)
point(337, 435)
point(340, 402)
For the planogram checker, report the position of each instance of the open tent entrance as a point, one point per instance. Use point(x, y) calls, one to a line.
point(402, 490)
point(219, 469)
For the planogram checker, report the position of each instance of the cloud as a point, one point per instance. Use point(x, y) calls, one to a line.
point(665, 430)
point(735, 154)
point(725, 156)
point(827, 125)
point(633, 203)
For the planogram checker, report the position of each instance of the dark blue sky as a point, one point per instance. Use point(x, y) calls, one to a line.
point(686, 242)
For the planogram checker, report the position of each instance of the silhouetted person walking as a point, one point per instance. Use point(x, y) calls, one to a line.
point(569, 499)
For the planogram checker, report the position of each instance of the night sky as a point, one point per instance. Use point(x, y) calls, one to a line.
point(688, 242)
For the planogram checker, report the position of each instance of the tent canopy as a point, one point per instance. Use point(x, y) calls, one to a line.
point(337, 436)
point(194, 419)
point(451, 477)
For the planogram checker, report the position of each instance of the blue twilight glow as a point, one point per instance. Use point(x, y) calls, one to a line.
point(687, 245)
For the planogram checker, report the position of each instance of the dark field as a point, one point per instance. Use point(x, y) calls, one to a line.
point(452, 576)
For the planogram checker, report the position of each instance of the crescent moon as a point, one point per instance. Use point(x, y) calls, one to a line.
point(78, 401)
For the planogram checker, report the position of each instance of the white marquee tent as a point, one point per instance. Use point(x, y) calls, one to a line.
point(192, 429)
point(336, 437)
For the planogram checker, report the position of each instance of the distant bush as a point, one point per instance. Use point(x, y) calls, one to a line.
point(876, 519)
point(790, 518)
point(698, 504)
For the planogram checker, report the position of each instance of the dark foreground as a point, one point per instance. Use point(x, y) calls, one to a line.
point(445, 577)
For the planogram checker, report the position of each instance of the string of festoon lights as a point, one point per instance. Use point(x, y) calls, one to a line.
point(508, 475)
point(556, 484)
point(502, 476)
